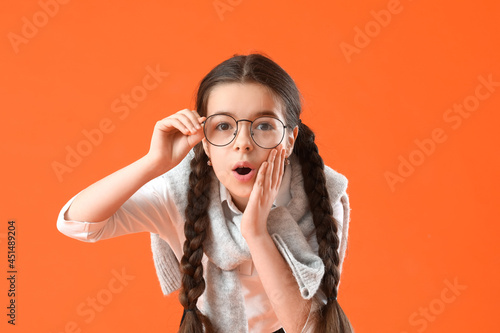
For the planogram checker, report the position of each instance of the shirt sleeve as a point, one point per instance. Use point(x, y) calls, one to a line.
point(148, 210)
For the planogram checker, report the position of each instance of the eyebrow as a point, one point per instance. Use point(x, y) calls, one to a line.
point(258, 114)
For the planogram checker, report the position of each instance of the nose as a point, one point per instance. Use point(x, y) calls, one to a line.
point(243, 140)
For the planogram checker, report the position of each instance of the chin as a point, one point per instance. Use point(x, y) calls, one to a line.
point(240, 192)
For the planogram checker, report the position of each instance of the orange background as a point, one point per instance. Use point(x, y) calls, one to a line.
point(369, 108)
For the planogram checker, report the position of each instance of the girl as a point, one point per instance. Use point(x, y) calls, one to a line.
point(244, 217)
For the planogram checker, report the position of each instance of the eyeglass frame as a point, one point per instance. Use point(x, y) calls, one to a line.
point(235, 134)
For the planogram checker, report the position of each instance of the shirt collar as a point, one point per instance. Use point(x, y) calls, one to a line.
point(282, 198)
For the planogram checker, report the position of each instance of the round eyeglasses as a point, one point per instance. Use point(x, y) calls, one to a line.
point(221, 129)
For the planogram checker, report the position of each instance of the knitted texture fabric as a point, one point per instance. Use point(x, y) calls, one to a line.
point(166, 269)
point(291, 228)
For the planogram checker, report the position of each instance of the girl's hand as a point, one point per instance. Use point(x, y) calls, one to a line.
point(173, 137)
point(264, 192)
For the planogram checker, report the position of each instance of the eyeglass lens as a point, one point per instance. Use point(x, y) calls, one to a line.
point(266, 132)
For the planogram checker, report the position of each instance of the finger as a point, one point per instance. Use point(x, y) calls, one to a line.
point(271, 168)
point(181, 125)
point(259, 181)
point(188, 119)
point(283, 159)
point(272, 155)
point(199, 118)
point(193, 117)
point(281, 167)
point(194, 139)
point(171, 124)
point(278, 168)
point(190, 122)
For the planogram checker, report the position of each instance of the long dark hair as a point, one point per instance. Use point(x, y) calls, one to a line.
point(257, 68)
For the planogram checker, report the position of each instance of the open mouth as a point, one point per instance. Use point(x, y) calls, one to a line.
point(243, 171)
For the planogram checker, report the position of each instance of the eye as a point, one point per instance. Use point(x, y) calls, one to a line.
point(223, 126)
point(264, 126)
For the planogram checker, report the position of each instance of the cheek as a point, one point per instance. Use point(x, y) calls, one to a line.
point(222, 173)
point(219, 164)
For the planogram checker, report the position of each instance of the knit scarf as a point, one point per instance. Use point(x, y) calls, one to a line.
point(290, 226)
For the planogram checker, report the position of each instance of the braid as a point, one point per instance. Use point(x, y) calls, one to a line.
point(197, 222)
point(332, 316)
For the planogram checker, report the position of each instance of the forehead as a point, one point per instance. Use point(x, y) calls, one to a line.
point(243, 100)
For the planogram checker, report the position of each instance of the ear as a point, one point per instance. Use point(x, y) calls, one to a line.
point(290, 138)
point(205, 147)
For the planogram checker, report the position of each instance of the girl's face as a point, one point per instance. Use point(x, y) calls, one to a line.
point(243, 101)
